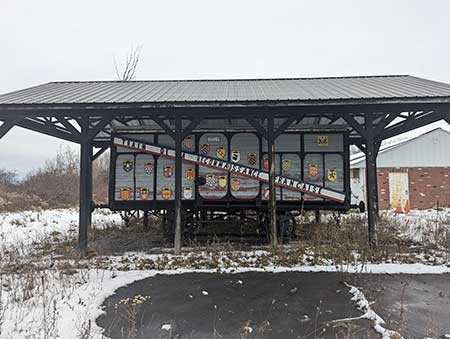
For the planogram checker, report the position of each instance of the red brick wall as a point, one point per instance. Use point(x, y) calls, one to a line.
point(428, 186)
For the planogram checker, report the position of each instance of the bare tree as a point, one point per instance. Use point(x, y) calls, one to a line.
point(131, 62)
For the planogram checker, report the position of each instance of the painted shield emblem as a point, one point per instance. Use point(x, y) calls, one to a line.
point(322, 140)
point(221, 152)
point(332, 174)
point(168, 171)
point(187, 192)
point(266, 164)
point(266, 193)
point(204, 149)
point(166, 193)
point(125, 193)
point(222, 181)
point(189, 173)
point(235, 184)
point(144, 193)
point(148, 167)
point(235, 156)
point(251, 159)
point(211, 180)
point(188, 142)
point(128, 165)
point(313, 169)
point(286, 164)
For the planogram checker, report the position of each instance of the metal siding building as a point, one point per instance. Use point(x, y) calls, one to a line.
point(422, 172)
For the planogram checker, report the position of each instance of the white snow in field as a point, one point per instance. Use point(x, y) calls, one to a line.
point(72, 302)
point(422, 226)
point(22, 229)
point(63, 308)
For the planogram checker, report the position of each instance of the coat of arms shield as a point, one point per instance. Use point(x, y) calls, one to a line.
point(189, 173)
point(168, 171)
point(128, 165)
point(166, 193)
point(144, 193)
point(187, 192)
point(332, 174)
point(313, 170)
point(322, 140)
point(222, 181)
point(235, 184)
point(221, 152)
point(286, 164)
point(252, 159)
point(204, 149)
point(235, 156)
point(148, 167)
point(124, 193)
point(188, 142)
point(211, 180)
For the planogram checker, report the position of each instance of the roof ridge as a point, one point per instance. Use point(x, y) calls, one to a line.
point(237, 79)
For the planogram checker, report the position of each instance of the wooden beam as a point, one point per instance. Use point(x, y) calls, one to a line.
point(164, 126)
point(178, 185)
point(7, 125)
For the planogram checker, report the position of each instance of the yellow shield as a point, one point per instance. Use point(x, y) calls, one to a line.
point(222, 181)
point(332, 174)
point(221, 152)
point(125, 193)
point(286, 164)
point(166, 193)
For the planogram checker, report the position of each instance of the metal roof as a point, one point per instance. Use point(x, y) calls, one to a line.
point(384, 88)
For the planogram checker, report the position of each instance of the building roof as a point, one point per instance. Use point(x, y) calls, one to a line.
point(379, 89)
point(357, 160)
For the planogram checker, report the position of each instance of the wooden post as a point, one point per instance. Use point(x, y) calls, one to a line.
point(85, 187)
point(371, 181)
point(272, 190)
point(145, 221)
point(178, 177)
point(318, 216)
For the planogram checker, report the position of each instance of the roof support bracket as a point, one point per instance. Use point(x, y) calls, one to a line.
point(7, 125)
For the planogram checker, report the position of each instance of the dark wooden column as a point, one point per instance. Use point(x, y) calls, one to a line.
point(272, 190)
point(7, 125)
point(85, 187)
point(371, 179)
point(178, 178)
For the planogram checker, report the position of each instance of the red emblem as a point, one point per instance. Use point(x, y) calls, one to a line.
point(168, 171)
point(144, 193)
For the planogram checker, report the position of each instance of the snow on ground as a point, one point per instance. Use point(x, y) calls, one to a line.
point(25, 228)
point(50, 303)
point(423, 226)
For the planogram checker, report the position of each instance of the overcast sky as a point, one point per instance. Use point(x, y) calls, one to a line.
point(49, 40)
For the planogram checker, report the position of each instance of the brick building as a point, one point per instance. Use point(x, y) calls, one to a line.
point(412, 174)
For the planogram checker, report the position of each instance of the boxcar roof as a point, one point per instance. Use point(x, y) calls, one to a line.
point(360, 89)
